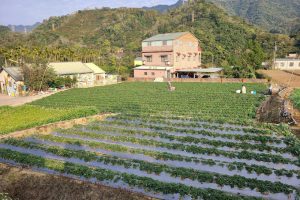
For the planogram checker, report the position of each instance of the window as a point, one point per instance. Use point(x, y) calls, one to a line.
point(291, 64)
point(177, 58)
point(165, 43)
point(153, 73)
point(149, 44)
point(189, 58)
point(282, 64)
point(145, 73)
point(98, 77)
point(194, 58)
point(164, 58)
point(148, 58)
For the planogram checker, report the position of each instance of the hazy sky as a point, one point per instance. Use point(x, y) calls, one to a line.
point(27, 12)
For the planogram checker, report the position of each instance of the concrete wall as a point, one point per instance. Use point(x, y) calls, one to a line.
point(150, 74)
point(288, 64)
point(84, 80)
point(202, 80)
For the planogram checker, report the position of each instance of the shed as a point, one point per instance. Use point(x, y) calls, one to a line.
point(11, 81)
point(138, 61)
point(83, 74)
point(213, 72)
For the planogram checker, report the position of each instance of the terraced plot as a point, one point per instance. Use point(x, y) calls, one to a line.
point(168, 158)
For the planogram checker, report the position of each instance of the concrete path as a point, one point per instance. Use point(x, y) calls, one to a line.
point(6, 100)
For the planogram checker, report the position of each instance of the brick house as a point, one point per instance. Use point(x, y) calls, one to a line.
point(164, 54)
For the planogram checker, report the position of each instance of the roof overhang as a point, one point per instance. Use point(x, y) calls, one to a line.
point(201, 70)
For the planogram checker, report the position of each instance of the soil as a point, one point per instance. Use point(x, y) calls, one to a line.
point(283, 78)
point(271, 111)
point(25, 184)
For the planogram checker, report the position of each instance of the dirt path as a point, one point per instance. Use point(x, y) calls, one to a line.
point(282, 77)
point(25, 184)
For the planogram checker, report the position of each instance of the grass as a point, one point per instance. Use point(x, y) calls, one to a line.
point(296, 98)
point(28, 116)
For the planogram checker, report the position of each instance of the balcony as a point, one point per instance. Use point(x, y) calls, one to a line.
point(150, 49)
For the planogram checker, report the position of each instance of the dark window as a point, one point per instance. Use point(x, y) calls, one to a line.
point(165, 43)
point(291, 64)
point(153, 73)
point(145, 73)
point(149, 44)
point(148, 58)
point(164, 58)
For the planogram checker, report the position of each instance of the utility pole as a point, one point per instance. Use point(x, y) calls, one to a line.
point(274, 55)
point(193, 16)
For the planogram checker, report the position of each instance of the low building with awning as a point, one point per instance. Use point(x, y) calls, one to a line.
point(152, 71)
point(214, 72)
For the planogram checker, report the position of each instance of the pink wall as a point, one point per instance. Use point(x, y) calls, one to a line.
point(156, 58)
point(157, 73)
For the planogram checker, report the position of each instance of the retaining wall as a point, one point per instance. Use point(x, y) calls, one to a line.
point(202, 80)
point(48, 128)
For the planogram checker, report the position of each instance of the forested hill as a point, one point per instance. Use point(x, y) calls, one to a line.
point(101, 35)
point(278, 16)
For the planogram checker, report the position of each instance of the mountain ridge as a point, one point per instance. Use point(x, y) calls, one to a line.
point(112, 37)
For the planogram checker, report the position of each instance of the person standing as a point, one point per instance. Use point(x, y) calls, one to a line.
point(270, 89)
point(244, 89)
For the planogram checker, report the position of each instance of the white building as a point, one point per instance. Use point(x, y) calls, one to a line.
point(287, 64)
point(83, 74)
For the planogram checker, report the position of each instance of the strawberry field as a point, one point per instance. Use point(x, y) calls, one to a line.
point(197, 143)
point(206, 101)
point(168, 158)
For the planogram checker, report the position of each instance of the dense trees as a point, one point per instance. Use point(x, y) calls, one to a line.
point(111, 38)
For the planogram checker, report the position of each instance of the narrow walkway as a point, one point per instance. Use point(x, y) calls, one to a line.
point(6, 100)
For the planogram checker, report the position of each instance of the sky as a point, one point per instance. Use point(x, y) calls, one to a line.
point(28, 12)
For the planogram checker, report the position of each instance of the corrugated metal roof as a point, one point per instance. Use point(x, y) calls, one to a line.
point(166, 36)
point(287, 59)
point(145, 67)
point(96, 69)
point(202, 70)
point(68, 68)
point(15, 73)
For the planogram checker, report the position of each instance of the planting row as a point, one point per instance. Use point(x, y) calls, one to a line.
point(226, 128)
point(108, 176)
point(189, 139)
point(186, 148)
point(183, 173)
